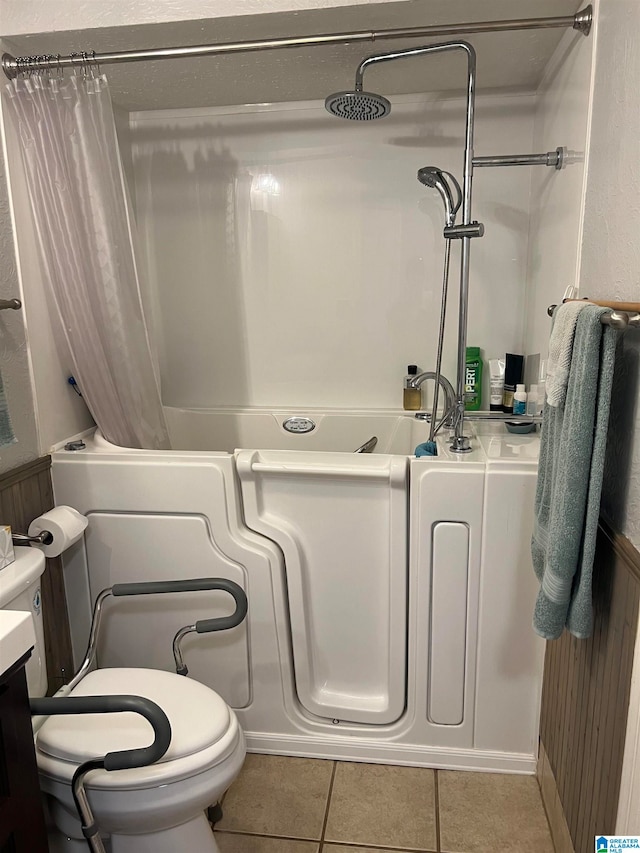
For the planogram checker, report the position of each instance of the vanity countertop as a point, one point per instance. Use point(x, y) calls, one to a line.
point(16, 637)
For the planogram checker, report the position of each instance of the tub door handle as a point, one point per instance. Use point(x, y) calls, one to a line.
point(321, 470)
point(368, 446)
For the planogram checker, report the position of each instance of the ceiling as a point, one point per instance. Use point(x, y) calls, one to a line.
point(506, 61)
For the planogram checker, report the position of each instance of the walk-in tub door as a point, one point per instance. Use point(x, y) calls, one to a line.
point(341, 522)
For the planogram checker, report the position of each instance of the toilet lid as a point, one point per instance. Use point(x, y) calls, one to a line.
point(198, 717)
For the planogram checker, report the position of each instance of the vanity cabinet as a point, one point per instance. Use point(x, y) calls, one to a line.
point(22, 827)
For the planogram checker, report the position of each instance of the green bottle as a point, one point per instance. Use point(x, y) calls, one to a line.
point(473, 380)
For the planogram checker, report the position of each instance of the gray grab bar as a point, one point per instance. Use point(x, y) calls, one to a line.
point(368, 446)
point(123, 760)
point(127, 758)
point(202, 626)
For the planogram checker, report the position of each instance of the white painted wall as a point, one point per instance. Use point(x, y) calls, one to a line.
point(297, 259)
point(14, 355)
point(610, 267)
point(557, 197)
point(33, 16)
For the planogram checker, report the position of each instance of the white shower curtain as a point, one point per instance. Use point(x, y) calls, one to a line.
point(85, 233)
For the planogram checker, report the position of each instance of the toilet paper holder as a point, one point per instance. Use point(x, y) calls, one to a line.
point(42, 538)
point(54, 531)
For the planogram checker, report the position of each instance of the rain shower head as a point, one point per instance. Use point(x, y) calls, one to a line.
point(435, 178)
point(358, 105)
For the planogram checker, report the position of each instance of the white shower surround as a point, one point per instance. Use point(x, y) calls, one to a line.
point(390, 597)
point(296, 259)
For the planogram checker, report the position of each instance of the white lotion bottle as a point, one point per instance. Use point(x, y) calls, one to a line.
point(520, 401)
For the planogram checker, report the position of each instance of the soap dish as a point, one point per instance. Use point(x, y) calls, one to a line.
point(520, 427)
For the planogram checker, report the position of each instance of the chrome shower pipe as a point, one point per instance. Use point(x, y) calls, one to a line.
point(460, 443)
point(11, 65)
point(555, 158)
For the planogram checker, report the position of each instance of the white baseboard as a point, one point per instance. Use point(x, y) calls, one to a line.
point(374, 752)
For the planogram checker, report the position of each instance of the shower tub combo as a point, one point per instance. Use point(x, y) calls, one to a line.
point(390, 597)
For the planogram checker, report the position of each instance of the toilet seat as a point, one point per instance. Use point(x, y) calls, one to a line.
point(204, 730)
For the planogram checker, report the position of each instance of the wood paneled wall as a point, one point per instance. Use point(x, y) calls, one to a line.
point(25, 493)
point(585, 696)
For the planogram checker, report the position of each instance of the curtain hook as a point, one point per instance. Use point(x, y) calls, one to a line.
point(95, 65)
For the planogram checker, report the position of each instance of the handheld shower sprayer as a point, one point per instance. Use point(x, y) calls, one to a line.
point(432, 176)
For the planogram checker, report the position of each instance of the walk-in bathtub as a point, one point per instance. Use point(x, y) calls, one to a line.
point(390, 597)
point(309, 430)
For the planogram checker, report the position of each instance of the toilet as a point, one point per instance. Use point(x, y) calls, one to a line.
point(155, 809)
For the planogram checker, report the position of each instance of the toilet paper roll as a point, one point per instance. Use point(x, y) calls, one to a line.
point(64, 523)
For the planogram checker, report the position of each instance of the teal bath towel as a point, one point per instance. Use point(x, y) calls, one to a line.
point(567, 503)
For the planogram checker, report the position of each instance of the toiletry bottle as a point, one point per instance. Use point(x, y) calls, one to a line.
point(473, 380)
point(542, 386)
point(520, 400)
point(532, 401)
point(513, 370)
point(411, 397)
point(496, 371)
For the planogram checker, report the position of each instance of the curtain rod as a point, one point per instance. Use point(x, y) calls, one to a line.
point(12, 65)
point(623, 315)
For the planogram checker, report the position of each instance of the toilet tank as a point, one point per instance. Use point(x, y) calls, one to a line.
point(20, 590)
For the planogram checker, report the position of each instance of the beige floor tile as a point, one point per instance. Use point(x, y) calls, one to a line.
point(276, 795)
point(381, 805)
point(232, 843)
point(338, 848)
point(490, 811)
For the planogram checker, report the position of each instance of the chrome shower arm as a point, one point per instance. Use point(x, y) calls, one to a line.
point(408, 53)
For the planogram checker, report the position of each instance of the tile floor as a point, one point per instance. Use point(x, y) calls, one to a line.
point(304, 805)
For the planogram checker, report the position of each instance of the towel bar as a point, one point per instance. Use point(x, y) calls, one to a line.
point(619, 317)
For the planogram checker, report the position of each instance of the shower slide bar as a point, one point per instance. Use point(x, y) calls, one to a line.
point(623, 315)
point(12, 66)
